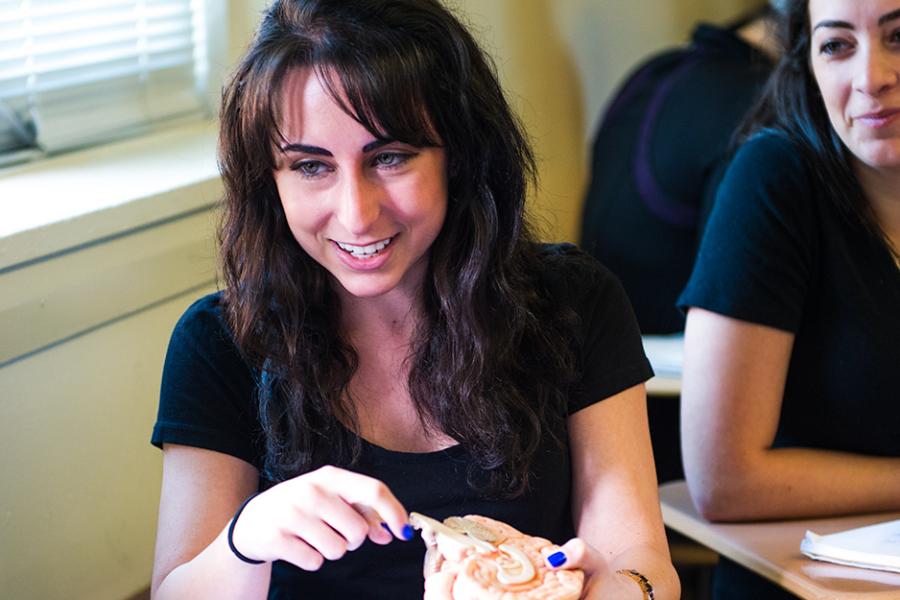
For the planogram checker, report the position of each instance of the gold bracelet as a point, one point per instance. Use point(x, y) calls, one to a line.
point(641, 580)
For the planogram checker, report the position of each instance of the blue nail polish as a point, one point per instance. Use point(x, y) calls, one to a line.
point(408, 532)
point(386, 528)
point(557, 559)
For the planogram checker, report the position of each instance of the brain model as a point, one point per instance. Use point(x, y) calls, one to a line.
point(477, 558)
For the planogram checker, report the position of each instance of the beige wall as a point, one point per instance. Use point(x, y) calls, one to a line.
point(561, 59)
point(79, 482)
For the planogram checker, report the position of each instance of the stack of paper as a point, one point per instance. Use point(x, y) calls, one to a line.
point(872, 547)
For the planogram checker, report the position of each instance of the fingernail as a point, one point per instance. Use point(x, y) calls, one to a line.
point(386, 528)
point(557, 559)
point(408, 532)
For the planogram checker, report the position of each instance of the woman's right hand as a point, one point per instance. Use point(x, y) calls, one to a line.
point(320, 515)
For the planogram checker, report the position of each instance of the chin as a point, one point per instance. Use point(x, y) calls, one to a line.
point(880, 155)
point(366, 289)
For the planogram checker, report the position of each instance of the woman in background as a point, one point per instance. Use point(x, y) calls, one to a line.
point(789, 402)
point(390, 337)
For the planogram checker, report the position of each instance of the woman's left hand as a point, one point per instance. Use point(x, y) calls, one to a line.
point(601, 581)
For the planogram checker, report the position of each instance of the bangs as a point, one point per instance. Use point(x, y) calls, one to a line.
point(390, 103)
point(388, 78)
point(383, 88)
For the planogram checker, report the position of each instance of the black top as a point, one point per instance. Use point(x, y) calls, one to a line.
point(776, 253)
point(657, 158)
point(208, 400)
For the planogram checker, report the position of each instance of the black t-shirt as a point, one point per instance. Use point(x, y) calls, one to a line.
point(777, 253)
point(657, 159)
point(208, 400)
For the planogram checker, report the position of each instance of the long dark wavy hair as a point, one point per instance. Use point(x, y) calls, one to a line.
point(491, 359)
point(792, 104)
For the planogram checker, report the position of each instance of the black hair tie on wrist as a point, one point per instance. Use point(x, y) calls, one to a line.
point(251, 561)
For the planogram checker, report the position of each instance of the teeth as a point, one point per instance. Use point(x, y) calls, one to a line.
point(361, 251)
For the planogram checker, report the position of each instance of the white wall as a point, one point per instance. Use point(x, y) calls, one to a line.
point(80, 483)
point(83, 333)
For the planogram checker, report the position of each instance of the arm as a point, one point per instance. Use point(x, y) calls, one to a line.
point(733, 384)
point(615, 500)
point(317, 516)
point(201, 490)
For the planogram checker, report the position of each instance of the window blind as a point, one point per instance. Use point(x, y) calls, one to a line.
point(78, 72)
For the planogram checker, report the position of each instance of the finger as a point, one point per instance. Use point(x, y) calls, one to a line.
point(361, 489)
point(343, 518)
point(300, 554)
point(319, 535)
point(378, 530)
point(574, 554)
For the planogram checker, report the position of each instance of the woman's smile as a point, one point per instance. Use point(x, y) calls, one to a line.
point(366, 257)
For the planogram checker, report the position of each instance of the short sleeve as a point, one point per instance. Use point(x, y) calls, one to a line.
point(610, 354)
point(207, 396)
point(757, 253)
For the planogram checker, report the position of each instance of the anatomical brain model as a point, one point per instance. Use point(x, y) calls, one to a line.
point(477, 558)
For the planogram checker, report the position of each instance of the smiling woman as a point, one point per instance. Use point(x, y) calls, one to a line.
point(365, 208)
point(855, 59)
point(789, 387)
point(391, 336)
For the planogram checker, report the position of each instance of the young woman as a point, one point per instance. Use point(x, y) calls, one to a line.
point(790, 398)
point(390, 337)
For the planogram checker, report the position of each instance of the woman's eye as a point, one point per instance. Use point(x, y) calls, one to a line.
point(895, 37)
point(310, 168)
point(390, 159)
point(832, 47)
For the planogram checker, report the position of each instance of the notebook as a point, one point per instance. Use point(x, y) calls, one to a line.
point(871, 547)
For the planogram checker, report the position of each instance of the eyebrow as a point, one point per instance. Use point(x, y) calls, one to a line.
point(307, 149)
point(894, 14)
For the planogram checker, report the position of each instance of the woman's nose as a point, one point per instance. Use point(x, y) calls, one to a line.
point(360, 204)
point(880, 72)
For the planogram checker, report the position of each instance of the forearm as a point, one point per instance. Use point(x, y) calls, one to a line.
point(788, 483)
point(217, 574)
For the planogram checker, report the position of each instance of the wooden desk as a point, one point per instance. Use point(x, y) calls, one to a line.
point(664, 386)
point(665, 355)
point(772, 549)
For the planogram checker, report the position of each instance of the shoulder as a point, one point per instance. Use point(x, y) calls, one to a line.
point(760, 248)
point(205, 317)
point(203, 331)
point(771, 149)
point(567, 270)
point(772, 168)
point(605, 335)
point(575, 281)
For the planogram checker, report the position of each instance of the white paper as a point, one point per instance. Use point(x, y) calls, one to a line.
point(872, 547)
point(666, 353)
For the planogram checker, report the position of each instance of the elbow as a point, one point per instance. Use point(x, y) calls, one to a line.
point(722, 497)
point(714, 505)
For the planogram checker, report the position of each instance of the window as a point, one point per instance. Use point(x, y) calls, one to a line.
point(79, 72)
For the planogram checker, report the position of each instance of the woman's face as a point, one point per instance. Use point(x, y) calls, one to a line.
point(855, 57)
point(366, 209)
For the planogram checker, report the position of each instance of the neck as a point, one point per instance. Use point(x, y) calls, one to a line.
point(388, 316)
point(882, 188)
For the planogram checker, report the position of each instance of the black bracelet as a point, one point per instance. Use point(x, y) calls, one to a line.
point(234, 519)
